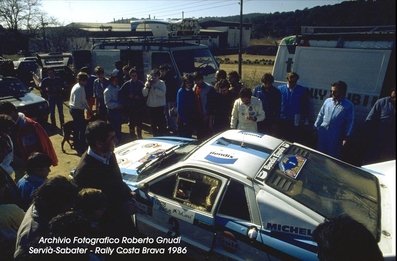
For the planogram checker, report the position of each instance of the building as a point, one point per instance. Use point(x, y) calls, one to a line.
point(221, 37)
point(226, 35)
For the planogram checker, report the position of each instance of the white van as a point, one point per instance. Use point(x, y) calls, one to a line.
point(363, 57)
point(183, 54)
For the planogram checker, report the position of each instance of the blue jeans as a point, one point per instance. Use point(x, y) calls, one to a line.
point(115, 120)
point(58, 102)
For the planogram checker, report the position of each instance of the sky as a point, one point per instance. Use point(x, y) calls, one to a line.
point(102, 11)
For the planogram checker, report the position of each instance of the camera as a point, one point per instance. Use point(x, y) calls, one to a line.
point(149, 77)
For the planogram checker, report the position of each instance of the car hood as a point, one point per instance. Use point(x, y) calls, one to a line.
point(132, 156)
point(27, 99)
point(386, 174)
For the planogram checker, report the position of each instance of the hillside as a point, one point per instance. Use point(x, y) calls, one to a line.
point(349, 13)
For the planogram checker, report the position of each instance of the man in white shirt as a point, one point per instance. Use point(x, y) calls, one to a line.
point(247, 112)
point(155, 91)
point(113, 106)
point(78, 103)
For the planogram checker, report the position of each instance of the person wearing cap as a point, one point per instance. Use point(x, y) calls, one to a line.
point(155, 91)
point(113, 106)
point(37, 170)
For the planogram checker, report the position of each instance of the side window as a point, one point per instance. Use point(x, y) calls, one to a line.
point(164, 187)
point(196, 190)
point(234, 202)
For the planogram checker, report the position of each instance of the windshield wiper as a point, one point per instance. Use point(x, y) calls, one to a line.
point(159, 157)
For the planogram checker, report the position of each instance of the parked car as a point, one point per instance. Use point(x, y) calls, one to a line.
point(6, 67)
point(14, 90)
point(62, 65)
point(24, 68)
point(250, 196)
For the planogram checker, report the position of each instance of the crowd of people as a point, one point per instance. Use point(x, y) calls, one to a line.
point(97, 201)
point(94, 203)
point(195, 107)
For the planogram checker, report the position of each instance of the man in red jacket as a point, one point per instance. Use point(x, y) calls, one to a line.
point(28, 137)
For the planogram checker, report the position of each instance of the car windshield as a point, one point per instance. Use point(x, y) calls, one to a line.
point(12, 87)
point(193, 60)
point(162, 160)
point(327, 186)
point(28, 66)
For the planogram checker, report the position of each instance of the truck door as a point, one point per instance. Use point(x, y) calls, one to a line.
point(363, 70)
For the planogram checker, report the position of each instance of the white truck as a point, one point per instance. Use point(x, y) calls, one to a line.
point(183, 54)
point(363, 57)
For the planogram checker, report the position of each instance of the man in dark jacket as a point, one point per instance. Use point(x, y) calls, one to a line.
point(133, 103)
point(98, 169)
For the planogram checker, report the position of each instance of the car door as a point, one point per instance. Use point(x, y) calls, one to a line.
point(237, 225)
point(182, 205)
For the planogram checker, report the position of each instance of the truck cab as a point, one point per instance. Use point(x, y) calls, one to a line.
point(183, 54)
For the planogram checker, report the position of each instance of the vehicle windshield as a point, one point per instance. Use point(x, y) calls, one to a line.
point(12, 87)
point(195, 60)
point(161, 160)
point(327, 186)
point(27, 66)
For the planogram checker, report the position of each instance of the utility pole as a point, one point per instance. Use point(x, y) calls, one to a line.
point(240, 49)
point(43, 24)
point(183, 15)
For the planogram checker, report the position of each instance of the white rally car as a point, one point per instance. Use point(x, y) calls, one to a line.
point(249, 196)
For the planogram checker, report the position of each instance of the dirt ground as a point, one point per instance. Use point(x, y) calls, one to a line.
point(69, 159)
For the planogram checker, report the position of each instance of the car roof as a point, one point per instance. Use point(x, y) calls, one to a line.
point(237, 151)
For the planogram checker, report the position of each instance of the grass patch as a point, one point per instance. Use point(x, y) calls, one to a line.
point(251, 73)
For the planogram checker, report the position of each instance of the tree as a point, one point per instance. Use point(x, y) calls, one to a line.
point(15, 13)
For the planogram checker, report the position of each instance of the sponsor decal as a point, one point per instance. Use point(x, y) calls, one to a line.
point(175, 211)
point(257, 135)
point(291, 165)
point(271, 161)
point(151, 145)
point(356, 98)
point(221, 158)
point(289, 229)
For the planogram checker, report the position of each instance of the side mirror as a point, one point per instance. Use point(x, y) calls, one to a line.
point(252, 233)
